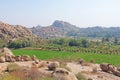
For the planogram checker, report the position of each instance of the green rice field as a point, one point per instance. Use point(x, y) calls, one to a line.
point(60, 55)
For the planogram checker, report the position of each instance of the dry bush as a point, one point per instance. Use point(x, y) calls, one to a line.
point(80, 76)
point(81, 61)
point(27, 74)
point(9, 77)
point(13, 67)
point(34, 73)
point(92, 61)
point(19, 74)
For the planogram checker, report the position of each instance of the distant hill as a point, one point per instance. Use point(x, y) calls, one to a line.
point(47, 32)
point(14, 32)
point(65, 29)
point(57, 29)
point(99, 32)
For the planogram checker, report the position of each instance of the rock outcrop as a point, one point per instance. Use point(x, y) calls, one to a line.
point(53, 65)
point(47, 32)
point(2, 59)
point(6, 52)
point(107, 67)
point(13, 32)
point(63, 74)
point(110, 69)
point(26, 58)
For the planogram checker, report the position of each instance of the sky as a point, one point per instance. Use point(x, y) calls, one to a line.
point(82, 13)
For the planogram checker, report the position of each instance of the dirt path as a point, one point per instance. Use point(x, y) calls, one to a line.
point(87, 72)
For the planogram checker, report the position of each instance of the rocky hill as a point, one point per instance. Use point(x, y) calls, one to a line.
point(8, 31)
point(56, 30)
point(65, 29)
point(47, 32)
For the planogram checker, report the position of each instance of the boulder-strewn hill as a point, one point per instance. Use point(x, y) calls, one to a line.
point(65, 29)
point(57, 29)
point(47, 32)
point(14, 31)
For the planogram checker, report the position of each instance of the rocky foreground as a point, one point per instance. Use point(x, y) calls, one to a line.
point(33, 67)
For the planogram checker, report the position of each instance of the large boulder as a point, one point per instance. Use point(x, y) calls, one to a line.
point(81, 61)
point(43, 64)
point(7, 52)
point(117, 73)
point(118, 68)
point(104, 67)
point(26, 58)
point(53, 65)
point(111, 68)
point(34, 58)
point(107, 67)
point(63, 74)
point(18, 58)
point(9, 58)
point(2, 59)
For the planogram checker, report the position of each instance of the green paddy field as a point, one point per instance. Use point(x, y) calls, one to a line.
point(60, 55)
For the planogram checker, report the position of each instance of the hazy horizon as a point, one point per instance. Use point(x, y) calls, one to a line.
point(87, 13)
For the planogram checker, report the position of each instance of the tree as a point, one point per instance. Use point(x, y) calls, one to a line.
point(74, 43)
point(61, 41)
point(103, 40)
point(84, 43)
point(11, 45)
point(107, 39)
point(115, 40)
point(18, 44)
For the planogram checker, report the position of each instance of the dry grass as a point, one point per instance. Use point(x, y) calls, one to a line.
point(13, 67)
point(22, 73)
point(63, 65)
point(94, 70)
point(8, 77)
point(34, 73)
